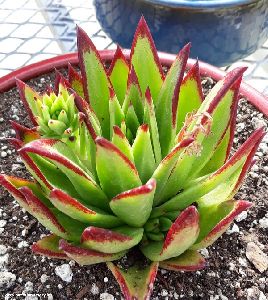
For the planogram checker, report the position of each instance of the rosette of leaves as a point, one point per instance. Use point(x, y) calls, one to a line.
point(54, 115)
point(149, 166)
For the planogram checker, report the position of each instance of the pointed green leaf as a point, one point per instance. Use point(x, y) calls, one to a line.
point(60, 81)
point(149, 118)
point(49, 246)
point(143, 153)
point(181, 235)
point(95, 80)
point(165, 168)
point(91, 119)
point(208, 127)
point(29, 98)
point(85, 257)
point(145, 60)
point(111, 241)
point(223, 149)
point(133, 95)
point(115, 171)
point(135, 282)
point(75, 80)
point(215, 221)
point(190, 96)
point(24, 134)
point(116, 112)
point(118, 74)
point(235, 168)
point(132, 120)
point(76, 210)
point(62, 156)
point(122, 143)
point(11, 184)
point(43, 213)
point(188, 261)
point(134, 206)
point(167, 101)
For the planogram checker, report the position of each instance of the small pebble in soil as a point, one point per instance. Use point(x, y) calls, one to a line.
point(28, 287)
point(64, 272)
point(106, 296)
point(23, 244)
point(3, 223)
point(3, 261)
point(263, 223)
point(204, 253)
point(257, 257)
point(241, 216)
point(94, 289)
point(44, 278)
point(7, 279)
point(105, 279)
point(3, 249)
point(233, 229)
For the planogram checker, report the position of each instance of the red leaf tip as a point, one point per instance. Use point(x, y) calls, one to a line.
point(144, 127)
point(118, 131)
point(148, 95)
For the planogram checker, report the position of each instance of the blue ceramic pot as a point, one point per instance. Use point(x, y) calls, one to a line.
point(221, 31)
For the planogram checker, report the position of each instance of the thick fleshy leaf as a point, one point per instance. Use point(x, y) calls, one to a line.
point(84, 256)
point(24, 134)
point(165, 168)
point(135, 282)
point(132, 120)
point(118, 74)
point(95, 80)
point(75, 80)
point(143, 153)
point(49, 246)
point(62, 156)
point(76, 210)
point(167, 101)
point(122, 143)
point(43, 214)
point(217, 221)
point(223, 149)
point(237, 166)
point(219, 157)
point(190, 96)
point(111, 241)
point(91, 119)
point(133, 95)
point(181, 235)
point(188, 261)
point(115, 171)
point(29, 98)
point(11, 184)
point(208, 127)
point(60, 80)
point(47, 174)
point(150, 118)
point(145, 60)
point(134, 206)
point(116, 112)
point(85, 146)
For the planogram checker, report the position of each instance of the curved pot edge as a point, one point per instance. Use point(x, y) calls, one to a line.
point(45, 66)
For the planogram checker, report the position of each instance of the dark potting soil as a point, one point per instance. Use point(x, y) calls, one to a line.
point(230, 274)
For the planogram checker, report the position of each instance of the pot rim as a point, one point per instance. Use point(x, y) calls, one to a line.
point(201, 4)
point(45, 66)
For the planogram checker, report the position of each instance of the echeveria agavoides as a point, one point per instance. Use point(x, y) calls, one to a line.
point(131, 157)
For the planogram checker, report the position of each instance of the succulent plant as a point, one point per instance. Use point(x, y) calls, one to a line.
point(132, 157)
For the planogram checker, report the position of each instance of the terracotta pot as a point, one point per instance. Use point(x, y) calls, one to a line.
point(61, 61)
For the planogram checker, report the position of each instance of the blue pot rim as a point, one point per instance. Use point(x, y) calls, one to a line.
point(201, 4)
